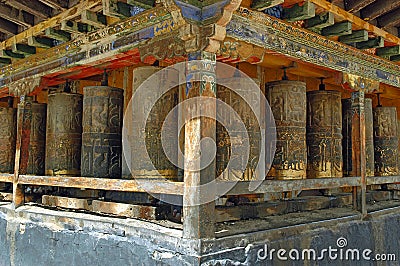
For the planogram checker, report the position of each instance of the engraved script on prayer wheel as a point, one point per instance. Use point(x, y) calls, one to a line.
point(324, 134)
point(288, 103)
point(348, 109)
point(37, 141)
point(386, 141)
point(8, 130)
point(102, 132)
point(160, 165)
point(64, 134)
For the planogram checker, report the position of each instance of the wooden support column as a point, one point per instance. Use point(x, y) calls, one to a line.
point(24, 118)
point(198, 212)
point(358, 148)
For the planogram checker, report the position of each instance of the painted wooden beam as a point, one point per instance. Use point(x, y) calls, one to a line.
point(24, 49)
point(395, 58)
point(32, 6)
point(10, 54)
point(75, 27)
point(371, 43)
point(59, 35)
point(147, 4)
point(264, 4)
point(357, 22)
point(320, 21)
point(388, 51)
point(356, 36)
point(5, 61)
point(52, 22)
point(378, 8)
point(356, 5)
point(297, 12)
point(8, 27)
point(40, 42)
point(389, 19)
point(93, 19)
point(339, 29)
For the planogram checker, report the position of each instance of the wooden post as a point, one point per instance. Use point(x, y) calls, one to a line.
point(22, 149)
point(359, 149)
point(199, 217)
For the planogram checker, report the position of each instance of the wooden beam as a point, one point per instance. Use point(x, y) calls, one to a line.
point(264, 4)
point(52, 22)
point(16, 16)
point(395, 58)
point(147, 4)
point(339, 29)
point(5, 61)
point(389, 19)
point(378, 8)
point(67, 203)
point(32, 6)
point(40, 42)
point(357, 22)
point(10, 54)
point(388, 51)
point(320, 21)
point(24, 49)
point(8, 27)
point(93, 19)
point(114, 8)
point(56, 4)
point(356, 5)
point(75, 27)
point(297, 12)
point(59, 35)
point(371, 43)
point(356, 36)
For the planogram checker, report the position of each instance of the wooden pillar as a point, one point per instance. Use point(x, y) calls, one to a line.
point(359, 162)
point(198, 213)
point(24, 118)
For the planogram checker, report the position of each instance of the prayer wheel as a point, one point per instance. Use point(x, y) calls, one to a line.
point(102, 132)
point(159, 164)
point(348, 109)
point(37, 141)
point(386, 141)
point(288, 104)
point(64, 134)
point(8, 133)
point(324, 134)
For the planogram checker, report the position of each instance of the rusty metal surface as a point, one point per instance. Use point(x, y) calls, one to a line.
point(64, 134)
point(288, 104)
point(348, 109)
point(324, 134)
point(386, 141)
point(224, 141)
point(37, 140)
point(102, 132)
point(8, 134)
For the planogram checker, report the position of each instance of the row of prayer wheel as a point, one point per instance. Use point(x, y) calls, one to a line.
point(314, 133)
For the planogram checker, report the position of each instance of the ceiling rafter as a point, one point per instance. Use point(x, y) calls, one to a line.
point(14, 15)
point(356, 5)
point(378, 8)
point(32, 6)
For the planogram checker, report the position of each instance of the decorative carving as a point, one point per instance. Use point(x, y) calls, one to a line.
point(8, 130)
point(324, 134)
point(386, 141)
point(358, 83)
point(102, 132)
point(24, 86)
point(64, 134)
point(348, 109)
point(288, 103)
point(238, 51)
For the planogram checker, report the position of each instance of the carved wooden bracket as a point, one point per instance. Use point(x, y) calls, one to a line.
point(358, 83)
point(24, 86)
point(239, 51)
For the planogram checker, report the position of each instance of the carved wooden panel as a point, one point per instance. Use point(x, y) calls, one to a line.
point(348, 109)
point(324, 134)
point(102, 132)
point(288, 103)
point(8, 130)
point(64, 134)
point(386, 141)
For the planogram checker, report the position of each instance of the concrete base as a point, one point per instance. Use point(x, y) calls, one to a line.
point(36, 236)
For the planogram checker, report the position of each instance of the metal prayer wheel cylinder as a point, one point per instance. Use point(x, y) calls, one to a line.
point(288, 104)
point(348, 109)
point(37, 141)
point(64, 134)
point(324, 134)
point(8, 134)
point(159, 166)
point(102, 132)
point(386, 141)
